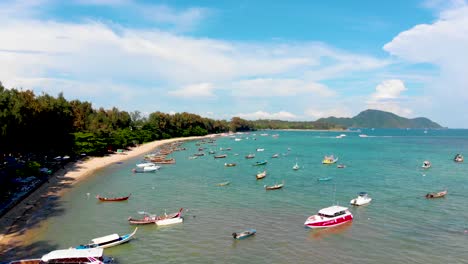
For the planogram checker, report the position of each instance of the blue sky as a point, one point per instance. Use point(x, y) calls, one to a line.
point(293, 60)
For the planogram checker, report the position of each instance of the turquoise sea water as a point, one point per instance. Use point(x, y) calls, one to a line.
point(399, 226)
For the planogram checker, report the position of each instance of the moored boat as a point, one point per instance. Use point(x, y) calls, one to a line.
point(362, 199)
point(222, 156)
point(259, 163)
point(276, 155)
point(223, 183)
point(329, 159)
point(150, 168)
point(296, 166)
point(144, 164)
point(169, 219)
point(230, 164)
point(70, 256)
point(250, 156)
point(260, 149)
point(274, 187)
point(436, 194)
point(108, 241)
point(325, 179)
point(113, 199)
point(329, 217)
point(261, 175)
point(244, 234)
point(153, 219)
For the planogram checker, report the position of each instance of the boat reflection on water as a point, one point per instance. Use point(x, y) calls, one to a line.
point(322, 233)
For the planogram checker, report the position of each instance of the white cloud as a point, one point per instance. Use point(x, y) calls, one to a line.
point(194, 90)
point(181, 20)
point(387, 97)
point(319, 113)
point(282, 115)
point(443, 44)
point(268, 87)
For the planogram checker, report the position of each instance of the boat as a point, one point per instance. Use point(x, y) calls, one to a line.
point(362, 199)
point(363, 135)
point(458, 158)
point(153, 219)
point(211, 152)
point(296, 166)
point(144, 164)
point(113, 199)
point(328, 217)
point(244, 234)
point(166, 161)
point(199, 154)
point(261, 175)
point(250, 156)
point(275, 156)
point(325, 179)
point(108, 241)
point(274, 187)
point(341, 136)
point(223, 183)
point(230, 164)
point(436, 194)
point(193, 157)
point(341, 166)
point(152, 167)
point(220, 156)
point(237, 139)
point(329, 159)
point(169, 219)
point(426, 164)
point(70, 256)
point(260, 149)
point(259, 163)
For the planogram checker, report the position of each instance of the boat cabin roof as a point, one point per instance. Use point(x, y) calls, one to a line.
point(362, 194)
point(332, 210)
point(73, 253)
point(104, 239)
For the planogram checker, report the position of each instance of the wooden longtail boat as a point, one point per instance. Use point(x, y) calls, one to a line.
point(261, 175)
point(274, 187)
point(112, 199)
point(166, 161)
point(152, 219)
point(222, 156)
point(230, 164)
point(223, 183)
point(108, 241)
point(436, 194)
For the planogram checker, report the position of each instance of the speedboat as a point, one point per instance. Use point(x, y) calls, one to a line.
point(362, 199)
point(244, 234)
point(329, 159)
point(458, 158)
point(144, 164)
point(296, 166)
point(329, 217)
point(152, 167)
point(426, 164)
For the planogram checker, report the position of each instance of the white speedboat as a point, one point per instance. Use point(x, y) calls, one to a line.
point(362, 199)
point(296, 166)
point(329, 217)
point(169, 221)
point(426, 164)
point(152, 167)
point(144, 164)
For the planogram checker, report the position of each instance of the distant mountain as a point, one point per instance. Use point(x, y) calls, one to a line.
point(380, 119)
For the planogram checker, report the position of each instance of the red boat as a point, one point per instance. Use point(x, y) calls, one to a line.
point(113, 199)
point(328, 217)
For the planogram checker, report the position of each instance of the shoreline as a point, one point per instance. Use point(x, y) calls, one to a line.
point(18, 224)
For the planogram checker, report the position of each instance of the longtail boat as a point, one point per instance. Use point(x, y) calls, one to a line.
point(153, 219)
point(223, 183)
point(112, 199)
point(261, 175)
point(436, 194)
point(108, 241)
point(274, 187)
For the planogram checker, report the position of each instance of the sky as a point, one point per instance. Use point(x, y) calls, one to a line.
point(292, 60)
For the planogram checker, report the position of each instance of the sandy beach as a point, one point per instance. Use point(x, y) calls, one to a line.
point(25, 219)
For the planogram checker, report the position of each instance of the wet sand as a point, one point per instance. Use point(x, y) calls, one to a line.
point(24, 220)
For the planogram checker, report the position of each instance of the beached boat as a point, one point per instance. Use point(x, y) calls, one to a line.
point(250, 156)
point(426, 164)
point(223, 183)
point(362, 199)
point(108, 241)
point(259, 163)
point(329, 217)
point(261, 175)
point(230, 164)
point(329, 159)
point(436, 194)
point(296, 166)
point(113, 199)
point(222, 156)
point(458, 158)
point(244, 234)
point(70, 256)
point(274, 187)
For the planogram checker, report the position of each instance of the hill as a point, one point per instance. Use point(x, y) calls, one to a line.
point(380, 119)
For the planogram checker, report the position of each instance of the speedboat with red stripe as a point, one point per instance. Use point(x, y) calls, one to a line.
point(328, 217)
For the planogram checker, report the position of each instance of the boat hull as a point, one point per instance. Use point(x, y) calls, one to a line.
point(324, 223)
point(170, 221)
point(359, 202)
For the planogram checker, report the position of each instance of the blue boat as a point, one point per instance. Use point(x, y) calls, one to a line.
point(259, 163)
point(242, 235)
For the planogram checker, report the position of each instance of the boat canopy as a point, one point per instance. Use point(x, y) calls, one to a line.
point(105, 239)
point(332, 210)
point(73, 253)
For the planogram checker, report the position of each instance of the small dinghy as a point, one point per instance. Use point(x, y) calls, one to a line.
point(261, 175)
point(436, 194)
point(426, 164)
point(244, 234)
point(223, 183)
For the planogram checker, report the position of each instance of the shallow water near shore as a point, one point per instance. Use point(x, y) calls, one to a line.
point(399, 226)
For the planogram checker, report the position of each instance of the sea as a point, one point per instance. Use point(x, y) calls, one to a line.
point(399, 226)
